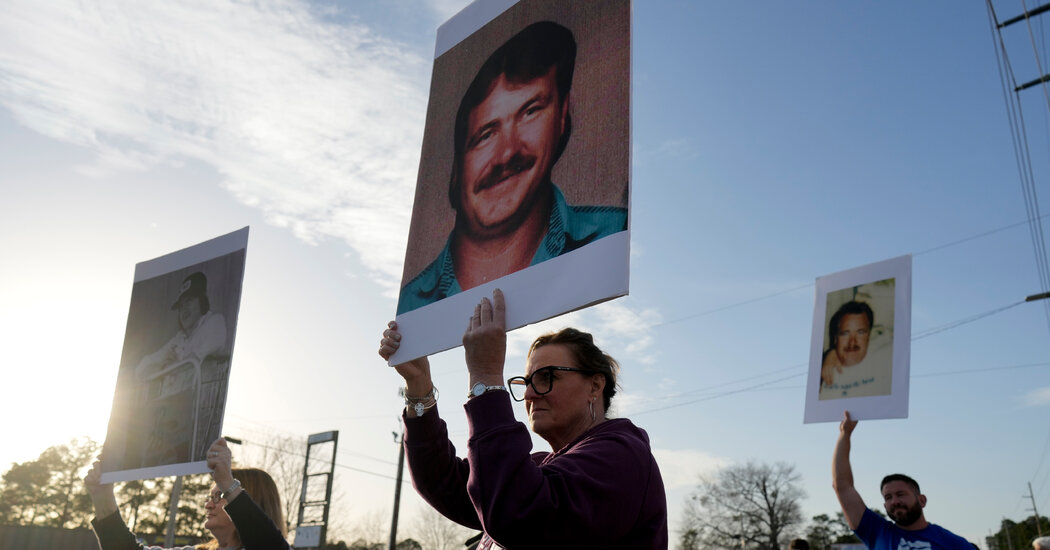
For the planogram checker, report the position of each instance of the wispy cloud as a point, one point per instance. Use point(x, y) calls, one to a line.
point(621, 328)
point(1037, 397)
point(316, 124)
point(677, 148)
point(683, 468)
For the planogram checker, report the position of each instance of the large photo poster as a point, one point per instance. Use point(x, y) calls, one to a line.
point(170, 397)
point(524, 178)
point(861, 344)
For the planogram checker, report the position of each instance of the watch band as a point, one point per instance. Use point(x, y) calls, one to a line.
point(480, 388)
point(225, 494)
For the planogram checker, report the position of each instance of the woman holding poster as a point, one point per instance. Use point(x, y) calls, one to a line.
point(599, 488)
point(243, 510)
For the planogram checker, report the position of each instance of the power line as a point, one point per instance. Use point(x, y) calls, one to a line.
point(809, 285)
point(709, 388)
point(341, 451)
point(715, 396)
point(764, 385)
point(924, 334)
point(1035, 51)
point(731, 306)
point(1022, 153)
point(974, 237)
point(1039, 466)
point(344, 466)
point(953, 324)
point(983, 369)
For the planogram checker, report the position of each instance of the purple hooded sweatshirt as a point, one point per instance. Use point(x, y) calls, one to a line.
point(603, 490)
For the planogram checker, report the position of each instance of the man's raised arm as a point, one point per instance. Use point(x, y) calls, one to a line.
point(842, 475)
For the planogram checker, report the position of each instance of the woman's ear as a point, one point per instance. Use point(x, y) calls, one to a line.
point(597, 384)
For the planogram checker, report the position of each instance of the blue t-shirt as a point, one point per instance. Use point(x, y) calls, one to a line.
point(878, 533)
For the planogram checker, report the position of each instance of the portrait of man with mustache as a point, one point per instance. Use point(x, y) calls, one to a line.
point(857, 358)
point(511, 128)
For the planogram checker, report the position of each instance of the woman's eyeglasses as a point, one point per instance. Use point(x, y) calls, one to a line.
point(541, 380)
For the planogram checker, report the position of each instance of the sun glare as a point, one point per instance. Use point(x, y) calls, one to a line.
point(60, 368)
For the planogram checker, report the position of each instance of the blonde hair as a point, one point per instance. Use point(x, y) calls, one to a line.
point(262, 489)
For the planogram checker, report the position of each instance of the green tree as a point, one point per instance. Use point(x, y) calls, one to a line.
point(843, 534)
point(824, 530)
point(689, 540)
point(821, 532)
point(23, 484)
point(753, 505)
point(68, 504)
point(135, 495)
point(361, 544)
point(408, 544)
point(1017, 535)
point(144, 505)
point(48, 491)
point(189, 521)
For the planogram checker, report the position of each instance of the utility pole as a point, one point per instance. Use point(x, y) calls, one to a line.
point(1038, 523)
point(169, 536)
point(1006, 529)
point(397, 487)
point(1025, 17)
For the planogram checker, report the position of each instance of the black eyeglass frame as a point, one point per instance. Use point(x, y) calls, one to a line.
point(527, 380)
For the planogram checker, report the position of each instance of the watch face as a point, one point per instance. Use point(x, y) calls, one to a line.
point(478, 389)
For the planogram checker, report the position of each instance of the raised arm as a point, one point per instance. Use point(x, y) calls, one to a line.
point(842, 475)
point(109, 527)
point(438, 474)
point(485, 341)
point(102, 497)
point(418, 382)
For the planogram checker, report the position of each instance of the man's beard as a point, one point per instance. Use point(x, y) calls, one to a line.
point(911, 515)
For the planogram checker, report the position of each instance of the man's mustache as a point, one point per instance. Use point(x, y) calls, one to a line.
point(517, 164)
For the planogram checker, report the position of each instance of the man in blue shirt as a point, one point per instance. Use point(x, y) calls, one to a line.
point(902, 500)
point(512, 126)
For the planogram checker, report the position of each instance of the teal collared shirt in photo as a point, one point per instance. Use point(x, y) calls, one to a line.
point(569, 228)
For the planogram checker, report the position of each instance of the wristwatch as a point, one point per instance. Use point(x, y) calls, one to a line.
point(233, 486)
point(481, 388)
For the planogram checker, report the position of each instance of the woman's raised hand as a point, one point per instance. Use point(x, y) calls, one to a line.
point(485, 341)
point(415, 372)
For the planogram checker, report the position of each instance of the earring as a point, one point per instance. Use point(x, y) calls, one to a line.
point(590, 405)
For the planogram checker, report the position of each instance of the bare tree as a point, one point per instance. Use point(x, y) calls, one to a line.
point(281, 456)
point(745, 506)
point(436, 532)
point(372, 526)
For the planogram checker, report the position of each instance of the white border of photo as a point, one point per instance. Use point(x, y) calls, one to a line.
point(214, 248)
point(894, 405)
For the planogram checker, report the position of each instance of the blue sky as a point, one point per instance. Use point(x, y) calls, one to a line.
point(773, 143)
